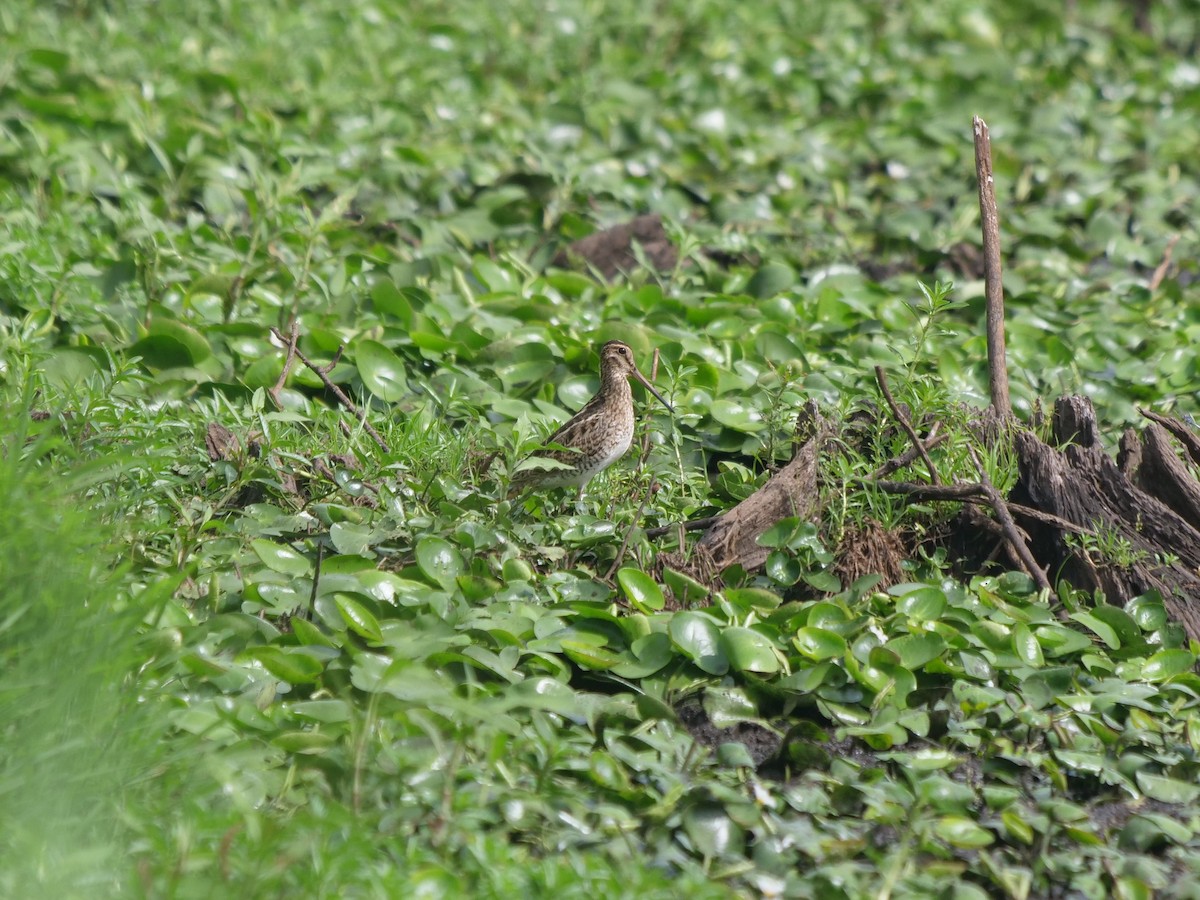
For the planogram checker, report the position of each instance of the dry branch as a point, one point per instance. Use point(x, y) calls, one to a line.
point(322, 372)
point(906, 425)
point(1016, 540)
point(1164, 266)
point(993, 284)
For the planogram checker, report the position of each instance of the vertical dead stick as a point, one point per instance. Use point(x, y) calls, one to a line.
point(1161, 272)
point(993, 286)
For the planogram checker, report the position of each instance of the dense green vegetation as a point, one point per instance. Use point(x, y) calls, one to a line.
point(290, 663)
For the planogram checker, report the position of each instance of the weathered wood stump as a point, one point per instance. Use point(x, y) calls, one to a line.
point(1120, 528)
point(1148, 507)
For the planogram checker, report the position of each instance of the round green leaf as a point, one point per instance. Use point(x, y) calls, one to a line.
point(778, 535)
point(712, 832)
point(388, 299)
point(641, 590)
point(649, 654)
point(1121, 622)
point(196, 344)
point(279, 558)
point(1148, 611)
point(817, 643)
point(915, 650)
point(771, 279)
point(699, 637)
point(753, 598)
point(381, 370)
point(1058, 640)
point(737, 415)
point(438, 560)
point(685, 588)
point(749, 650)
point(1166, 664)
point(923, 604)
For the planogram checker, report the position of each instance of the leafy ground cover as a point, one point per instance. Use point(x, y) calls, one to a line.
point(286, 661)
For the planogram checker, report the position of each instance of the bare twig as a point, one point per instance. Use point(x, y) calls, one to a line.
point(1160, 272)
point(909, 456)
point(993, 285)
point(926, 492)
point(906, 425)
point(323, 373)
point(312, 596)
point(650, 488)
point(337, 357)
point(693, 525)
point(965, 493)
point(287, 363)
point(1011, 533)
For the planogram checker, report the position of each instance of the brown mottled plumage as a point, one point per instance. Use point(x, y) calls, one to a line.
point(600, 433)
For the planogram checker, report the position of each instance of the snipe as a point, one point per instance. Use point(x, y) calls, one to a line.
point(600, 433)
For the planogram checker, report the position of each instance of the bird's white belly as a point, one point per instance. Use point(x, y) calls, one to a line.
point(599, 463)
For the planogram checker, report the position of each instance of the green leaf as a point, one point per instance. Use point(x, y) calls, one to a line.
point(962, 832)
point(749, 651)
point(1102, 629)
point(1148, 611)
point(915, 650)
point(641, 590)
point(327, 712)
point(279, 558)
point(381, 370)
point(924, 604)
point(358, 618)
point(685, 588)
point(1167, 790)
point(778, 535)
point(757, 599)
point(1058, 640)
point(1121, 622)
point(819, 644)
point(590, 656)
point(737, 415)
point(650, 653)
point(293, 666)
point(712, 832)
point(439, 561)
point(1016, 826)
point(773, 278)
point(1166, 664)
point(1026, 646)
point(727, 706)
point(699, 637)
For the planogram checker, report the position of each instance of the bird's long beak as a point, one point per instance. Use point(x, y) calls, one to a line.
point(644, 380)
